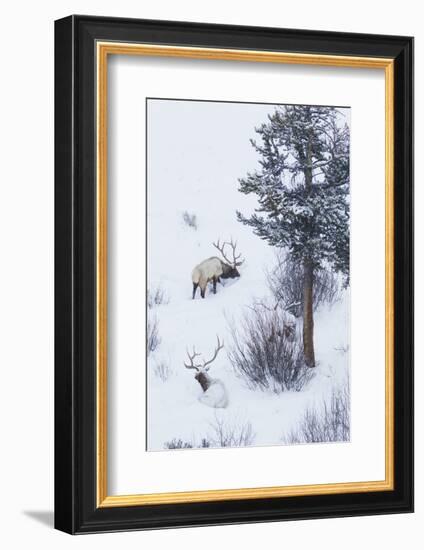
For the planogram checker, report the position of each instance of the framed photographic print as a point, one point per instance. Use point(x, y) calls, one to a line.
point(234, 274)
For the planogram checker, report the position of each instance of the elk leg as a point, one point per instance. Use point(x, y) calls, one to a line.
point(202, 292)
point(195, 285)
point(214, 285)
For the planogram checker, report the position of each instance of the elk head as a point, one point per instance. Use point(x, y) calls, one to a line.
point(229, 266)
point(202, 368)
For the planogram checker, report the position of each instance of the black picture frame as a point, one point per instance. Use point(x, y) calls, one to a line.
point(76, 509)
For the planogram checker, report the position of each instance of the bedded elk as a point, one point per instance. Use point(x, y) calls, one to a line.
point(214, 392)
point(214, 269)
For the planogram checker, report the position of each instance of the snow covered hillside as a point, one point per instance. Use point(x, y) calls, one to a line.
point(196, 153)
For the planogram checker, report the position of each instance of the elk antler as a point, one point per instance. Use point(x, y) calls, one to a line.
point(236, 257)
point(233, 245)
point(221, 249)
point(192, 357)
point(220, 346)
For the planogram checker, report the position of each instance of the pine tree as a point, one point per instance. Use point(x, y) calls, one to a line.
point(302, 188)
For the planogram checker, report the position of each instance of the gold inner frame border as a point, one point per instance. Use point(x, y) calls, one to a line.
point(103, 50)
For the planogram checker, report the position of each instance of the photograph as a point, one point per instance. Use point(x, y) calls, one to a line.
point(248, 274)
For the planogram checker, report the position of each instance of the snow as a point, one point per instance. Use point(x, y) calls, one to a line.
point(204, 158)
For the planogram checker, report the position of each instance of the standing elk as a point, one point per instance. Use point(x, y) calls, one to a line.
point(214, 392)
point(214, 269)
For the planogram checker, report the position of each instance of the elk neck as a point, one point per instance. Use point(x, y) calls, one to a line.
point(204, 379)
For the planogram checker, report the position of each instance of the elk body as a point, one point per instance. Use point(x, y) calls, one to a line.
point(214, 269)
point(214, 391)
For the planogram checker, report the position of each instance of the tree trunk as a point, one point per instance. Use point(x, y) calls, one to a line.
point(308, 314)
point(308, 280)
